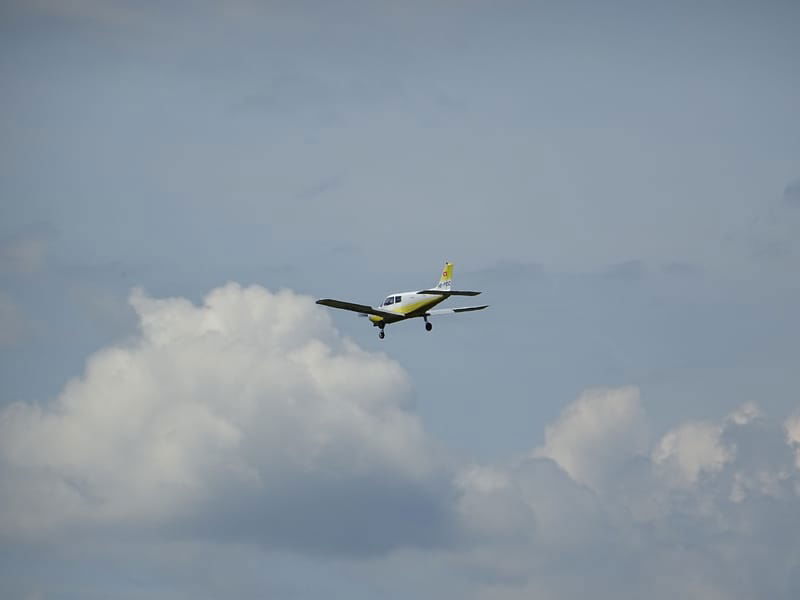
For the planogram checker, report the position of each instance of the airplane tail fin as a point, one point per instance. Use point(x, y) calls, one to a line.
point(446, 281)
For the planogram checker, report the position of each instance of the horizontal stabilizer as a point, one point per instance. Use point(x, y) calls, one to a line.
point(451, 311)
point(448, 293)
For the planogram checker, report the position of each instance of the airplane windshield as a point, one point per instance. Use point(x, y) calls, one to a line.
point(388, 301)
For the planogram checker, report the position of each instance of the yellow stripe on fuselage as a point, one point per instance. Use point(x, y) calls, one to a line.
point(409, 308)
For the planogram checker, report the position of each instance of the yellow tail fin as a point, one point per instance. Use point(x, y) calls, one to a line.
point(446, 280)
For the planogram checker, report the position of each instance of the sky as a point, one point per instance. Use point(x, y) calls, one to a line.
point(179, 181)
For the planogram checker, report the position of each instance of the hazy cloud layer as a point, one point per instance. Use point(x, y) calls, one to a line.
point(14, 324)
point(791, 195)
point(25, 252)
point(562, 134)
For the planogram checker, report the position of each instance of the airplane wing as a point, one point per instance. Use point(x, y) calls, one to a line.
point(448, 293)
point(450, 311)
point(359, 308)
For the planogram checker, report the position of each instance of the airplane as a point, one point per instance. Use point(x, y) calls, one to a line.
point(400, 306)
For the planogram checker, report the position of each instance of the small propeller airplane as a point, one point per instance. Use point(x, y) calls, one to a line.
point(400, 306)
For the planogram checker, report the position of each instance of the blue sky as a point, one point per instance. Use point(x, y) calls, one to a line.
point(620, 178)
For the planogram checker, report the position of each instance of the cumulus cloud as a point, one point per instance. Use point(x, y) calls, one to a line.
point(689, 450)
point(708, 510)
point(247, 417)
point(596, 433)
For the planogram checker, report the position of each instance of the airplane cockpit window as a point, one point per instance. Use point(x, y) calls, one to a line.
point(397, 298)
point(388, 301)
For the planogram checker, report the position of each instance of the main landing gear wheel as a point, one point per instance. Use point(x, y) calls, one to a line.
point(428, 326)
point(381, 334)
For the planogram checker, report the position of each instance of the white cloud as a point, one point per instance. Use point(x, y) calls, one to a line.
point(247, 416)
point(745, 414)
point(595, 508)
point(763, 467)
point(596, 434)
point(690, 449)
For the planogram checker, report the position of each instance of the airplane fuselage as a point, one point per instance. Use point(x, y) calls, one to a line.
point(406, 305)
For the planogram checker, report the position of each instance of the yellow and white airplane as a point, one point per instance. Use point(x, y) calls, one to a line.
point(400, 306)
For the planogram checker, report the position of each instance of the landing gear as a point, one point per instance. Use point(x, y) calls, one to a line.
point(428, 326)
point(381, 333)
